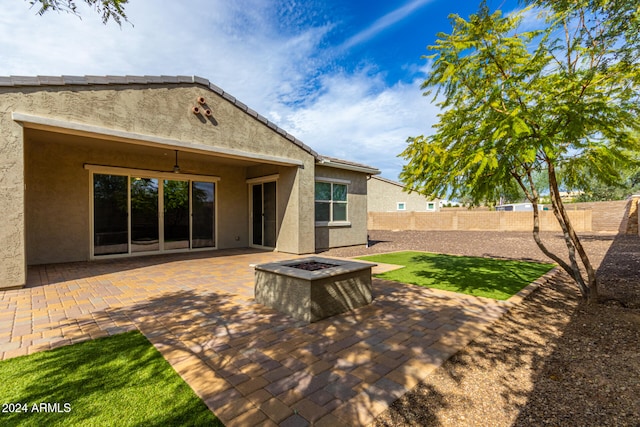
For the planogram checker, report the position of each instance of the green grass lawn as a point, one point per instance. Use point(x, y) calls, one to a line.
point(483, 277)
point(115, 381)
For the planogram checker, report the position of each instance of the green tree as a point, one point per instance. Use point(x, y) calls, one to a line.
point(176, 201)
point(109, 9)
point(516, 104)
point(597, 191)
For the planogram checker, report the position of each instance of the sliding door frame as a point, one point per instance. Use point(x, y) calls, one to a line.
point(161, 177)
point(255, 182)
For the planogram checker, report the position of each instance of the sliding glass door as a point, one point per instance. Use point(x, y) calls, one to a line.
point(263, 214)
point(110, 215)
point(203, 216)
point(137, 214)
point(176, 214)
point(145, 236)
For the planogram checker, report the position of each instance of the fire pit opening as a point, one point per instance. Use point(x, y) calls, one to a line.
point(313, 288)
point(312, 265)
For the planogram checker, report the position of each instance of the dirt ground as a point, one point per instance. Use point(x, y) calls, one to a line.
point(552, 360)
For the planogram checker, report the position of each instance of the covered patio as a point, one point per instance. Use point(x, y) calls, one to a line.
point(250, 364)
point(90, 195)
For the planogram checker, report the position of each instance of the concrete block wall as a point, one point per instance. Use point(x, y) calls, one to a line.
point(633, 216)
point(474, 221)
point(607, 217)
point(619, 216)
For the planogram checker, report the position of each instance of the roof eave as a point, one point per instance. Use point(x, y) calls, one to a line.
point(354, 168)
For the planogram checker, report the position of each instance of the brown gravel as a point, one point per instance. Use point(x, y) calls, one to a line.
point(551, 360)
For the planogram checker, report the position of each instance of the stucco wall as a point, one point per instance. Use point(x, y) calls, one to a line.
point(293, 193)
point(383, 197)
point(12, 256)
point(157, 110)
point(355, 233)
point(57, 204)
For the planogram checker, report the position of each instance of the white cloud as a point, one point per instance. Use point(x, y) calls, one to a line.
point(383, 23)
point(237, 48)
point(360, 119)
point(241, 48)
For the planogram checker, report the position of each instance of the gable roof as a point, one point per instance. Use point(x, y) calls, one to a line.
point(36, 81)
point(43, 81)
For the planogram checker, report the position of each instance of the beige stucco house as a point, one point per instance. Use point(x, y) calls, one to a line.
point(100, 167)
point(385, 195)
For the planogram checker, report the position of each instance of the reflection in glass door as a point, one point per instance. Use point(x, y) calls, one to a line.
point(263, 214)
point(136, 214)
point(110, 215)
point(256, 214)
point(145, 234)
point(269, 212)
point(176, 214)
point(203, 214)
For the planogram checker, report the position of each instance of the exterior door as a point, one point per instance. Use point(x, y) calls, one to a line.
point(203, 234)
point(263, 214)
point(176, 214)
point(145, 232)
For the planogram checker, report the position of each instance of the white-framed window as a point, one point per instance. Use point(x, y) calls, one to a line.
point(331, 202)
point(401, 206)
point(431, 206)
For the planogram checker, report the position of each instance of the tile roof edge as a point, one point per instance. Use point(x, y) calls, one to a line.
point(92, 80)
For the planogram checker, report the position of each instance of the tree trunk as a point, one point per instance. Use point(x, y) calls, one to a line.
point(533, 197)
point(590, 292)
point(575, 268)
point(536, 236)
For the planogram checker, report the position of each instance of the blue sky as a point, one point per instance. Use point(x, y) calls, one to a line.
point(344, 77)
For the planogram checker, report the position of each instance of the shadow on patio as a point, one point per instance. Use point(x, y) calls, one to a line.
point(249, 363)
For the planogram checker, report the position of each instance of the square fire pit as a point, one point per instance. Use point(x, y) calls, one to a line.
point(313, 288)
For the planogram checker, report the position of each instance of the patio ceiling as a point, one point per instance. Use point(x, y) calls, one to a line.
point(131, 149)
point(98, 133)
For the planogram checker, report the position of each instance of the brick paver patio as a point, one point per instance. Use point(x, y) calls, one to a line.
point(250, 364)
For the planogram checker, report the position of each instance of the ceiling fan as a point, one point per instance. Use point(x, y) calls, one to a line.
point(178, 170)
point(176, 167)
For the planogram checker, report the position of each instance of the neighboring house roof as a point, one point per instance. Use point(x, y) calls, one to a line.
point(31, 81)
